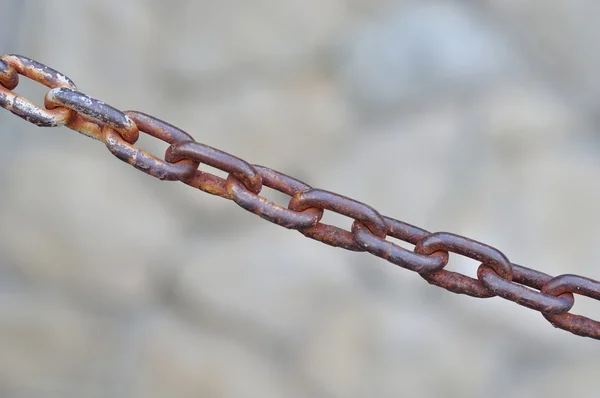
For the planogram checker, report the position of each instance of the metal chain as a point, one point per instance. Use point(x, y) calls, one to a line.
point(119, 131)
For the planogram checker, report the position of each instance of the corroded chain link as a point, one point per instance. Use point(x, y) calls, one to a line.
point(119, 131)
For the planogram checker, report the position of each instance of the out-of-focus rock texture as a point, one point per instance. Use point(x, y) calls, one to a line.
point(479, 118)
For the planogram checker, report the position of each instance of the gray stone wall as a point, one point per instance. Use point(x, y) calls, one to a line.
point(478, 118)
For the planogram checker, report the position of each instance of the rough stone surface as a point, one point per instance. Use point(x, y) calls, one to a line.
point(471, 117)
point(413, 52)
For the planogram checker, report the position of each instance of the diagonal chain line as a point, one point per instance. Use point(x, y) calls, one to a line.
point(119, 130)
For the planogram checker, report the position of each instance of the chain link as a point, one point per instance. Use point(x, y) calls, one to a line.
point(119, 131)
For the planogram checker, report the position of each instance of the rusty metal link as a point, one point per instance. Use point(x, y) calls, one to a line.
point(36, 71)
point(268, 210)
point(14, 65)
point(553, 297)
point(92, 116)
point(9, 77)
point(577, 324)
point(469, 248)
point(523, 295)
point(330, 234)
point(223, 161)
point(172, 171)
point(396, 254)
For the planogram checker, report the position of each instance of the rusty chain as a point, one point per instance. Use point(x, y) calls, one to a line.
point(119, 131)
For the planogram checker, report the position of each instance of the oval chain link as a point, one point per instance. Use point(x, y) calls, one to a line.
point(469, 248)
point(396, 254)
point(577, 324)
point(91, 115)
point(14, 65)
point(330, 234)
point(150, 164)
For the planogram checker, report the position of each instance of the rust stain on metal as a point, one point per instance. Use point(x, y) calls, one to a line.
point(395, 254)
point(271, 211)
point(524, 295)
point(552, 296)
point(208, 183)
point(38, 72)
point(94, 109)
point(322, 199)
point(217, 159)
point(9, 77)
point(29, 111)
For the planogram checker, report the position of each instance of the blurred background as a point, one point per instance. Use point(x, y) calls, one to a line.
point(474, 117)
